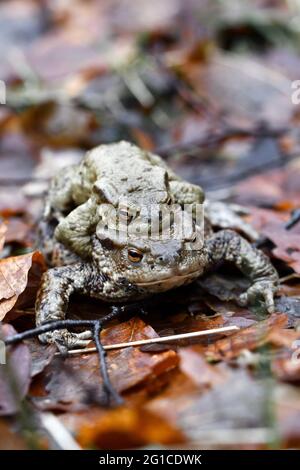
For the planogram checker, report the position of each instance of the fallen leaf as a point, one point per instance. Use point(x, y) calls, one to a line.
point(127, 428)
point(10, 439)
point(291, 307)
point(286, 409)
point(283, 338)
point(287, 245)
point(14, 375)
point(239, 402)
point(75, 383)
point(17, 231)
point(41, 355)
point(248, 338)
point(286, 369)
point(195, 366)
point(13, 279)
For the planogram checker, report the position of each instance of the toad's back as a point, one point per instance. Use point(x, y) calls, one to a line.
point(122, 170)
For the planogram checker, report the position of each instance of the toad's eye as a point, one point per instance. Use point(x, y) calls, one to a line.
point(135, 256)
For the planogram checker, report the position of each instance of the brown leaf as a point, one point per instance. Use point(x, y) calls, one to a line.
point(286, 369)
point(238, 402)
point(195, 366)
point(286, 405)
point(74, 382)
point(14, 278)
point(249, 338)
point(286, 364)
point(10, 440)
point(287, 245)
point(126, 428)
point(283, 338)
point(17, 231)
point(14, 375)
point(41, 355)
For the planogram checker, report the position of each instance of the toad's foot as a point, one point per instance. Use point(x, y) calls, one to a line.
point(261, 290)
point(57, 285)
point(66, 340)
point(254, 264)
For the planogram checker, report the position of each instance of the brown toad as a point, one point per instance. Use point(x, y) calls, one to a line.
point(91, 258)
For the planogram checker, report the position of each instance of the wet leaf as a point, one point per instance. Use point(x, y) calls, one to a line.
point(14, 375)
point(10, 439)
point(248, 338)
point(195, 366)
point(17, 232)
point(75, 383)
point(238, 402)
point(41, 355)
point(127, 428)
point(14, 278)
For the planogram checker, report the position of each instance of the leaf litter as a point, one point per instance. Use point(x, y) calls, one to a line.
point(206, 85)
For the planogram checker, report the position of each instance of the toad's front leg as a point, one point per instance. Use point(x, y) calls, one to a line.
point(227, 245)
point(58, 284)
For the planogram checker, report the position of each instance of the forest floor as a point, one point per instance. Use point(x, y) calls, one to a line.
point(209, 87)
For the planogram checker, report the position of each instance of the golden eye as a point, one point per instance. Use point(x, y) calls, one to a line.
point(134, 255)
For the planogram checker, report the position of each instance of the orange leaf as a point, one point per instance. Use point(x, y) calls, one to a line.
point(249, 338)
point(128, 427)
point(13, 280)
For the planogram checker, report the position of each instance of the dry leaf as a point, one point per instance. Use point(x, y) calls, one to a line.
point(14, 375)
point(75, 383)
point(128, 427)
point(10, 440)
point(13, 279)
point(249, 338)
point(195, 366)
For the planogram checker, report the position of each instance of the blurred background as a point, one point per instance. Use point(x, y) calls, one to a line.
point(161, 74)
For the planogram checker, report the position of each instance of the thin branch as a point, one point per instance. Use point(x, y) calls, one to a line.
point(107, 385)
point(159, 339)
point(51, 326)
point(294, 219)
point(112, 396)
point(58, 432)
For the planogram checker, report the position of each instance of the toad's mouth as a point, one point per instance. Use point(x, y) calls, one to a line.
point(171, 279)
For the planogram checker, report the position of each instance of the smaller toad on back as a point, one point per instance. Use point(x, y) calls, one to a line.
point(91, 259)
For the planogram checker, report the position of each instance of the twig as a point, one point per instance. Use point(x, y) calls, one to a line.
point(159, 339)
point(58, 432)
point(107, 385)
point(294, 219)
point(54, 325)
point(113, 397)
